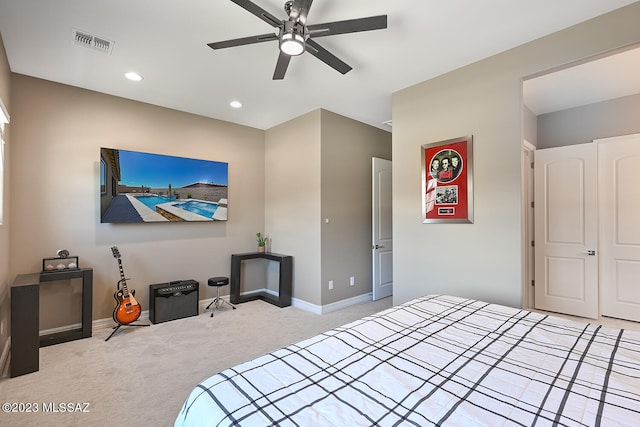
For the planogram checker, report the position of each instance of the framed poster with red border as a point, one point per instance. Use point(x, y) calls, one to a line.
point(447, 181)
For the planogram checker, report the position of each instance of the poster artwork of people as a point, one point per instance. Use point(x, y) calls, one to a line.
point(447, 180)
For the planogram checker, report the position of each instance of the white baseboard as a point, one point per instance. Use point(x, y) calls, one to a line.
point(339, 305)
point(306, 306)
point(103, 323)
point(319, 309)
point(202, 304)
point(108, 322)
point(144, 315)
point(62, 329)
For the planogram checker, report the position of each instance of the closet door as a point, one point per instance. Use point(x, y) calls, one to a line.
point(619, 191)
point(566, 230)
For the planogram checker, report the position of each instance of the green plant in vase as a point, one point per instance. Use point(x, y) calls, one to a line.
point(262, 242)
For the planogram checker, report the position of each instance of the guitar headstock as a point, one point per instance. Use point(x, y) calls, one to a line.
point(116, 252)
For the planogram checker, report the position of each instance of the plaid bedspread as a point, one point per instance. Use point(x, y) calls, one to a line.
point(436, 360)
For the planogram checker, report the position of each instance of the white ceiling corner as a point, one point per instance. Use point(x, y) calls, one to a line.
point(165, 41)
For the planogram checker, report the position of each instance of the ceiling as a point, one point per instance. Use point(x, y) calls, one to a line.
point(166, 42)
point(609, 77)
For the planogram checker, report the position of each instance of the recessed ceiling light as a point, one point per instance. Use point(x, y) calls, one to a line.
point(235, 104)
point(132, 75)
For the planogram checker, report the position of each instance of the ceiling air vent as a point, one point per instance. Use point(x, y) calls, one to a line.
point(82, 38)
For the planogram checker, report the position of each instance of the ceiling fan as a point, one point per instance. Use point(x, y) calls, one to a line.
point(296, 37)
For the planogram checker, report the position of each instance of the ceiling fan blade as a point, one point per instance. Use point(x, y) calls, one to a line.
point(327, 57)
point(300, 10)
point(349, 26)
point(242, 41)
point(281, 66)
point(253, 8)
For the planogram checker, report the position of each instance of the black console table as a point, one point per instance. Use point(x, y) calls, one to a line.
point(284, 289)
point(25, 317)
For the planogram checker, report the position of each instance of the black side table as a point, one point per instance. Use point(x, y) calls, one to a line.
point(25, 317)
point(286, 275)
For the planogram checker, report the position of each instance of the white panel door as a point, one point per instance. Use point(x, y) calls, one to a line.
point(619, 175)
point(566, 230)
point(382, 236)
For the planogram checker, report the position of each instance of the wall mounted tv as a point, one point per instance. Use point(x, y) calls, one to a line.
point(144, 187)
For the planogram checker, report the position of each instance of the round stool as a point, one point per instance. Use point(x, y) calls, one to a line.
point(218, 302)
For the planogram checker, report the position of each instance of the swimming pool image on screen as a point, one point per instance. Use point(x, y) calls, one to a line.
point(206, 209)
point(145, 187)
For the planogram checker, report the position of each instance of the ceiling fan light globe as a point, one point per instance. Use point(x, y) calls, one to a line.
point(292, 44)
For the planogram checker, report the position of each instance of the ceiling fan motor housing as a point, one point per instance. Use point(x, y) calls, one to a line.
point(295, 33)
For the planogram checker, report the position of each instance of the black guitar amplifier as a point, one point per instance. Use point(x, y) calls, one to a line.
point(173, 300)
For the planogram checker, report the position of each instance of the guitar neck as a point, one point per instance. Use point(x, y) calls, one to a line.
point(123, 280)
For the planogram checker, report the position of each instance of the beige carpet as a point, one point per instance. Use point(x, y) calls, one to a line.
point(141, 376)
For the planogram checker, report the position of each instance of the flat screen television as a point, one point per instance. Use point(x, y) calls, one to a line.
point(138, 187)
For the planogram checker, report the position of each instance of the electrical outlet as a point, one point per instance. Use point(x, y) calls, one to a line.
point(330, 284)
point(352, 281)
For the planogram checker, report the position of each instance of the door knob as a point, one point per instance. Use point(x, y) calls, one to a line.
point(378, 246)
point(590, 253)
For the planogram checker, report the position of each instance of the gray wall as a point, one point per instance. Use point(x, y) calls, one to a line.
point(57, 132)
point(347, 149)
point(292, 190)
point(481, 260)
point(318, 166)
point(579, 125)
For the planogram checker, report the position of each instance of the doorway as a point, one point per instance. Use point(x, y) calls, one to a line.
point(566, 230)
point(587, 251)
point(381, 230)
point(591, 98)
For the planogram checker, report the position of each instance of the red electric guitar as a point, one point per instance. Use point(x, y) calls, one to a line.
point(128, 309)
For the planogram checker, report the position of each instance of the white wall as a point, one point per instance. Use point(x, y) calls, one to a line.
point(57, 132)
point(481, 260)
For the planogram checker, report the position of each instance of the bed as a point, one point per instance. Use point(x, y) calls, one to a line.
point(435, 360)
